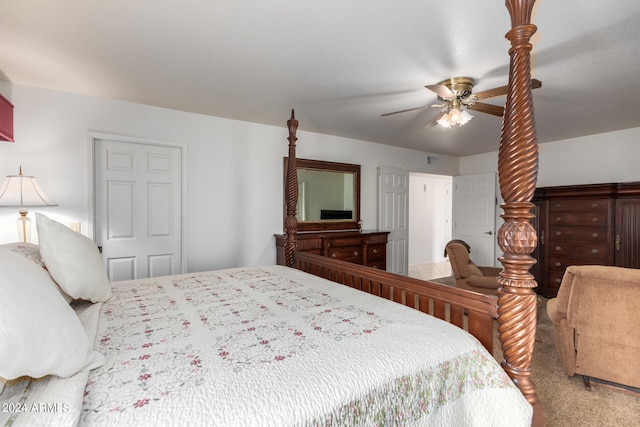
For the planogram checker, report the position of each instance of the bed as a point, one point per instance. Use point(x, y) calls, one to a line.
point(267, 345)
point(315, 342)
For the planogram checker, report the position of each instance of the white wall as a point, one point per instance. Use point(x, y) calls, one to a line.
point(593, 159)
point(234, 168)
point(430, 204)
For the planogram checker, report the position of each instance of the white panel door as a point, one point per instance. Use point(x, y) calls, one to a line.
point(138, 190)
point(393, 216)
point(474, 211)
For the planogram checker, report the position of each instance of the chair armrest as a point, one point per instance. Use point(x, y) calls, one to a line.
point(554, 314)
point(487, 282)
point(490, 271)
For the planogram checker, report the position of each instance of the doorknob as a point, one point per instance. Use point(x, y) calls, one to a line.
point(489, 232)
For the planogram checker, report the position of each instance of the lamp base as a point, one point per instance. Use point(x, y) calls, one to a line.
point(24, 226)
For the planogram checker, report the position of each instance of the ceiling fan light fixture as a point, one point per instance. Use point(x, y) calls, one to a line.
point(464, 117)
point(444, 121)
point(454, 116)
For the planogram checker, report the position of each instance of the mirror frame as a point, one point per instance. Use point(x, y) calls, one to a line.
point(327, 225)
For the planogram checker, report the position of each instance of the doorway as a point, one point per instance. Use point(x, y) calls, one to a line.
point(430, 219)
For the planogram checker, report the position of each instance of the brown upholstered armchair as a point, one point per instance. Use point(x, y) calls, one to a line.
point(467, 274)
point(596, 323)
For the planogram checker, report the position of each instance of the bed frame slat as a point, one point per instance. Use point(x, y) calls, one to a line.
point(456, 315)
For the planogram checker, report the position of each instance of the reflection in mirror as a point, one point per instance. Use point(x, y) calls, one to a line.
point(328, 195)
point(325, 195)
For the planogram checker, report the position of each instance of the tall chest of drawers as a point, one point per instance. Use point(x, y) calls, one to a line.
point(580, 232)
point(578, 225)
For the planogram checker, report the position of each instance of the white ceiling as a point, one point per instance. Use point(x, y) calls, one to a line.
point(340, 64)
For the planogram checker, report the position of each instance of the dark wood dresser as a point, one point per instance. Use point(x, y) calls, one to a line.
point(365, 248)
point(585, 224)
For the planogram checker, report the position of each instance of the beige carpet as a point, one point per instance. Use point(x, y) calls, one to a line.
point(566, 402)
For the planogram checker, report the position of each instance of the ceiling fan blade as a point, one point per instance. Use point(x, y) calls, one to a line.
point(502, 90)
point(495, 110)
point(404, 111)
point(442, 91)
point(491, 93)
point(435, 119)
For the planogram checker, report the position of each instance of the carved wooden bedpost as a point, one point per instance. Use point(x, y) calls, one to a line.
point(517, 172)
point(291, 194)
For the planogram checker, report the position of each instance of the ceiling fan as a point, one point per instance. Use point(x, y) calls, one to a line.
point(457, 96)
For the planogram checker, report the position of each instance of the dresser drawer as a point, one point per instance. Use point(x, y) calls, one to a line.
point(376, 252)
point(308, 244)
point(559, 264)
point(577, 234)
point(378, 238)
point(594, 206)
point(348, 241)
point(590, 251)
point(554, 281)
point(347, 253)
point(581, 219)
point(378, 265)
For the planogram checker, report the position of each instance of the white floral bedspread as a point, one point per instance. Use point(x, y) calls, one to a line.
point(275, 346)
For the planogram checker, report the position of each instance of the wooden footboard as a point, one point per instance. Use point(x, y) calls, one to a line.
point(468, 310)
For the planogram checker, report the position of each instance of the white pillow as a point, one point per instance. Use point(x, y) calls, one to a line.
point(31, 253)
point(73, 261)
point(40, 334)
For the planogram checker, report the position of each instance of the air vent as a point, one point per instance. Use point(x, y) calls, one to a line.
point(432, 160)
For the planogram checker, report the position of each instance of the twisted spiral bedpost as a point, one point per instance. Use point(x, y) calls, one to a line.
point(517, 174)
point(291, 194)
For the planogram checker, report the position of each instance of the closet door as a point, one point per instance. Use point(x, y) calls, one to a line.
point(138, 190)
point(627, 233)
point(393, 216)
point(474, 215)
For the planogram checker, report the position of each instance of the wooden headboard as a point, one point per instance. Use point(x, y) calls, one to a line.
point(517, 175)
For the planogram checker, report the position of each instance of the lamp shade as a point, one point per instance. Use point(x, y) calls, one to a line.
point(23, 190)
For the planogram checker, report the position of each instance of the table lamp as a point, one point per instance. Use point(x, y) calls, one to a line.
point(23, 191)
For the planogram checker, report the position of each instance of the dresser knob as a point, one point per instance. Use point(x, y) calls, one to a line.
point(558, 248)
point(558, 264)
point(594, 251)
point(375, 266)
point(375, 251)
point(595, 205)
point(558, 205)
point(355, 253)
point(594, 235)
point(594, 219)
point(333, 255)
point(558, 233)
point(558, 281)
point(558, 218)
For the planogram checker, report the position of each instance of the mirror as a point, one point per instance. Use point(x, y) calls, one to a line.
point(328, 195)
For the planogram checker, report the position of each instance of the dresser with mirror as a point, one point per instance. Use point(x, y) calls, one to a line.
point(328, 215)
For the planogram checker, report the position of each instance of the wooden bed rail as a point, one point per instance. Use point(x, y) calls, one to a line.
point(468, 310)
